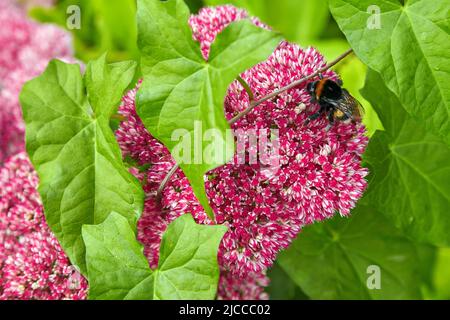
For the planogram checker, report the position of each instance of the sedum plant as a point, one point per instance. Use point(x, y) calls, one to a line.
point(115, 209)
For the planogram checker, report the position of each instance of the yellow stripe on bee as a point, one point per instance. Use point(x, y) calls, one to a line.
point(338, 114)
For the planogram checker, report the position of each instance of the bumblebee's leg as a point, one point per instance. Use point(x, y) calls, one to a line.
point(339, 82)
point(330, 120)
point(346, 119)
point(316, 115)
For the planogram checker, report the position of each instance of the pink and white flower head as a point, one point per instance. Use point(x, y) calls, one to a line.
point(212, 20)
point(32, 263)
point(319, 171)
point(26, 47)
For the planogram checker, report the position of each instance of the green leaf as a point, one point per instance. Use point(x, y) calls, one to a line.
point(298, 21)
point(117, 268)
point(194, 5)
point(282, 287)
point(106, 83)
point(410, 51)
point(410, 169)
point(441, 276)
point(187, 266)
point(330, 260)
point(79, 163)
point(183, 92)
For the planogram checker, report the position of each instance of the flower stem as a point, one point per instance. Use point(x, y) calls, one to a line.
point(119, 117)
point(165, 181)
point(255, 103)
point(247, 88)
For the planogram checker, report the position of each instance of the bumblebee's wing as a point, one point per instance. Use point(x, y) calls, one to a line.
point(350, 106)
point(358, 111)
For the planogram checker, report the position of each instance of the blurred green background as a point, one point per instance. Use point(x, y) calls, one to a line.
point(109, 25)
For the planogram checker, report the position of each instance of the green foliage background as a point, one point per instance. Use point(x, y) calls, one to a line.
point(403, 222)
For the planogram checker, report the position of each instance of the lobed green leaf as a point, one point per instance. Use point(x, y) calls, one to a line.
point(79, 163)
point(409, 48)
point(187, 267)
point(332, 259)
point(410, 169)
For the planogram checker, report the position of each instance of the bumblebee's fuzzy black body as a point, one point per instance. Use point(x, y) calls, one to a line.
point(335, 101)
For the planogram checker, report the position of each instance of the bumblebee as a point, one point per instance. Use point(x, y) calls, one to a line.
point(335, 101)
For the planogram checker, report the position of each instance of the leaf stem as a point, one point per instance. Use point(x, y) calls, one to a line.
point(255, 103)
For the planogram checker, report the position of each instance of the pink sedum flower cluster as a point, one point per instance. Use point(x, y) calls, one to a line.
point(32, 263)
point(320, 171)
point(26, 47)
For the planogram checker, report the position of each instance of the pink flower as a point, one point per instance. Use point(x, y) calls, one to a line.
point(32, 263)
point(212, 20)
point(249, 287)
point(26, 47)
point(319, 174)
